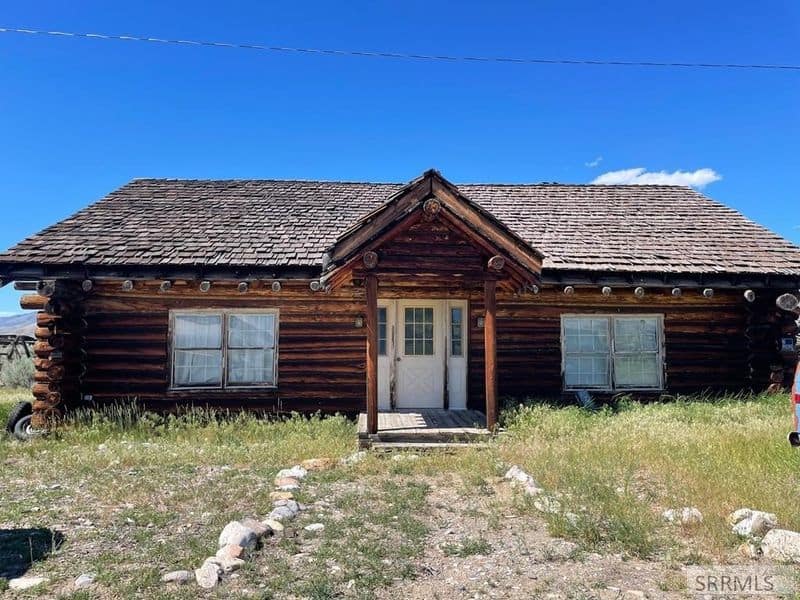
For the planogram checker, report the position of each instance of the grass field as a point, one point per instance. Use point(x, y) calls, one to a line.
point(134, 499)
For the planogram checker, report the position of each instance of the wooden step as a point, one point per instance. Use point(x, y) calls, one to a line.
point(423, 446)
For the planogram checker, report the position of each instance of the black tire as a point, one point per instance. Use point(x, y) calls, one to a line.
point(22, 410)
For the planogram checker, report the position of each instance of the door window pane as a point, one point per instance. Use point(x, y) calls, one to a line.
point(382, 330)
point(456, 336)
point(419, 331)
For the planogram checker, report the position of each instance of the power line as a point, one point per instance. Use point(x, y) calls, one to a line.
point(409, 56)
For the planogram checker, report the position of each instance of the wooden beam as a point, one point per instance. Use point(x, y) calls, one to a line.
point(490, 349)
point(372, 353)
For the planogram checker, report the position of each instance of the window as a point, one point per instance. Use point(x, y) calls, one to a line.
point(612, 352)
point(419, 331)
point(456, 333)
point(382, 330)
point(224, 349)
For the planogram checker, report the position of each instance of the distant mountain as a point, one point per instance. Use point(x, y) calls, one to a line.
point(21, 324)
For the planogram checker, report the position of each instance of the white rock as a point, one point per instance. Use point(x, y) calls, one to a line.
point(515, 473)
point(84, 580)
point(281, 513)
point(314, 527)
point(520, 478)
point(179, 577)
point(207, 576)
point(296, 471)
point(546, 504)
point(782, 545)
point(26, 583)
point(257, 527)
point(276, 526)
point(236, 533)
point(292, 505)
point(752, 523)
point(405, 456)
point(354, 458)
point(688, 515)
point(228, 564)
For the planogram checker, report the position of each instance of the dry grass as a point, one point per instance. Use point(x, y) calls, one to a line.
point(620, 469)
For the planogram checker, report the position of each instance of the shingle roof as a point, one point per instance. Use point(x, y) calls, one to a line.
point(290, 223)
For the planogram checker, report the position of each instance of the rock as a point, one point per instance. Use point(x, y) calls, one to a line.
point(688, 515)
point(275, 526)
point(355, 457)
point(314, 528)
point(633, 595)
point(752, 523)
point(236, 533)
point(287, 483)
point(296, 472)
point(781, 545)
point(226, 563)
point(318, 464)
point(281, 513)
point(177, 577)
point(405, 456)
point(84, 580)
point(547, 504)
point(290, 504)
point(233, 550)
point(256, 526)
point(520, 478)
point(281, 496)
point(207, 576)
point(26, 583)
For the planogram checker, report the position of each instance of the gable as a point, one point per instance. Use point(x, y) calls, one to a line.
point(448, 214)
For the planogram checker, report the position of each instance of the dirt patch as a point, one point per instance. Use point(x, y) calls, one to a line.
point(480, 546)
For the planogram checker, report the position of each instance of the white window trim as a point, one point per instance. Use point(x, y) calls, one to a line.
point(612, 351)
point(224, 313)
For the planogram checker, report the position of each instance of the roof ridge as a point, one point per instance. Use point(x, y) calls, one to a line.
point(364, 182)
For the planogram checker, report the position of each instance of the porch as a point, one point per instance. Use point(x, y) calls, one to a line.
point(424, 428)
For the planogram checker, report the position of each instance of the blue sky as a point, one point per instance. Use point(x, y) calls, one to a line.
point(81, 117)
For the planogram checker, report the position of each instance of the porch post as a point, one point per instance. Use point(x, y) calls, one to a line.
point(490, 350)
point(372, 353)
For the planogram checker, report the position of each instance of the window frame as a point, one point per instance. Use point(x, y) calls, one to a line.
point(224, 313)
point(612, 351)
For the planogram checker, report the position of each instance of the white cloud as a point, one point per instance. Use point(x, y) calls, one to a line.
point(641, 176)
point(593, 163)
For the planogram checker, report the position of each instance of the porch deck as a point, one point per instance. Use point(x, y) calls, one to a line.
point(423, 428)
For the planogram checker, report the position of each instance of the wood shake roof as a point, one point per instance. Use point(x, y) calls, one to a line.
point(271, 223)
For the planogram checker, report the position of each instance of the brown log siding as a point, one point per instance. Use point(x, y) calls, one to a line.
point(321, 363)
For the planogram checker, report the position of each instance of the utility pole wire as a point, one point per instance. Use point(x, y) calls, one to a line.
point(409, 56)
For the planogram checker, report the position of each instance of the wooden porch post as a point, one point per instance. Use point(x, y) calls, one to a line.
point(372, 353)
point(490, 350)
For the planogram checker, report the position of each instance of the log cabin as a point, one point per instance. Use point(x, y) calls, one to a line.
point(340, 296)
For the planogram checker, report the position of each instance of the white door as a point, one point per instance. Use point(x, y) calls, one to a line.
point(420, 354)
